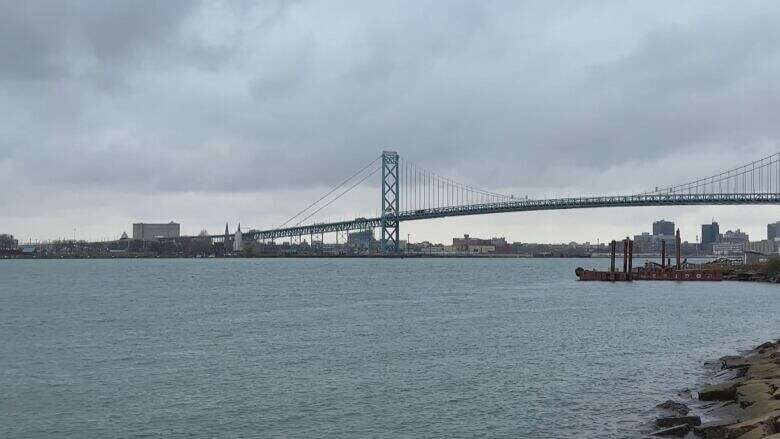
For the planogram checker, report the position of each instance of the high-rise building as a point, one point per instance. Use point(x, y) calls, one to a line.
point(663, 227)
point(773, 231)
point(710, 233)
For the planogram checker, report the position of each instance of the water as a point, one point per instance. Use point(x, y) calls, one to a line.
point(354, 348)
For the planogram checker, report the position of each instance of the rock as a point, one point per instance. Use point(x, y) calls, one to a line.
point(760, 408)
point(733, 362)
point(674, 406)
point(678, 430)
point(764, 370)
point(718, 392)
point(685, 393)
point(713, 430)
point(751, 392)
point(672, 421)
point(756, 433)
point(765, 424)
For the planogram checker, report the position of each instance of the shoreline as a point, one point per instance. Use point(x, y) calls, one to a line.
point(745, 400)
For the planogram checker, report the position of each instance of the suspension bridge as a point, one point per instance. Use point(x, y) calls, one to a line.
point(410, 192)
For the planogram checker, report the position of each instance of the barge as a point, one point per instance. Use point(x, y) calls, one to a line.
point(681, 271)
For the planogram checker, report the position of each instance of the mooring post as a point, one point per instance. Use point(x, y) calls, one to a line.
point(677, 250)
point(625, 255)
point(663, 253)
point(612, 247)
point(630, 255)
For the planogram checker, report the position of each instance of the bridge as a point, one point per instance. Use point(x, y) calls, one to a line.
point(410, 192)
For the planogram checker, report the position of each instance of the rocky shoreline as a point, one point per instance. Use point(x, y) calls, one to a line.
point(746, 402)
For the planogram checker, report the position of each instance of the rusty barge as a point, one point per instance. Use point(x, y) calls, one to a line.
point(681, 271)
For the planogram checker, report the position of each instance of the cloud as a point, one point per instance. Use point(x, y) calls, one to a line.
point(172, 98)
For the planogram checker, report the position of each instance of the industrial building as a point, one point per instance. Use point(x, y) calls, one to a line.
point(150, 231)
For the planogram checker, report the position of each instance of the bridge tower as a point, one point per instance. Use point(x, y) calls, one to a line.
point(390, 194)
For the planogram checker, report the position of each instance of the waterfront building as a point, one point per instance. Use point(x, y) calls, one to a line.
point(727, 248)
point(151, 231)
point(238, 240)
point(8, 242)
point(764, 247)
point(710, 233)
point(773, 231)
point(663, 227)
point(468, 244)
point(647, 243)
point(363, 239)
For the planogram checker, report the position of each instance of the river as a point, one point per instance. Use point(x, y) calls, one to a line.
point(355, 347)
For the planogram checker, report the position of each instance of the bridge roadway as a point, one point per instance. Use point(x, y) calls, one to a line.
point(521, 206)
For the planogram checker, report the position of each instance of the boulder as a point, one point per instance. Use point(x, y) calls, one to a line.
point(753, 391)
point(760, 408)
point(733, 362)
point(713, 430)
point(756, 433)
point(765, 370)
point(765, 425)
point(678, 430)
point(672, 421)
point(674, 406)
point(719, 392)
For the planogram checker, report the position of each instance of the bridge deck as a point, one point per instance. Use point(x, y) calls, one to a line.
point(526, 206)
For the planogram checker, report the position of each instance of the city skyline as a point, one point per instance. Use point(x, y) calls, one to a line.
point(648, 228)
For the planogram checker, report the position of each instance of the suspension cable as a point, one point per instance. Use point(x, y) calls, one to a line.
point(339, 196)
point(327, 194)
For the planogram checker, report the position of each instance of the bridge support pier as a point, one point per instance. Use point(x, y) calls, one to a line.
point(390, 194)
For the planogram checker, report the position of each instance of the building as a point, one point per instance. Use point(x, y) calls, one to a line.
point(363, 239)
point(773, 231)
point(647, 243)
point(238, 240)
point(764, 247)
point(710, 233)
point(736, 236)
point(8, 242)
point(726, 248)
point(468, 244)
point(150, 232)
point(663, 227)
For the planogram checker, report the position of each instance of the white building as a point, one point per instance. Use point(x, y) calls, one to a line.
point(728, 248)
point(238, 240)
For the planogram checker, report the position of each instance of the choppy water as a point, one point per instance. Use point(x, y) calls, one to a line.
point(354, 348)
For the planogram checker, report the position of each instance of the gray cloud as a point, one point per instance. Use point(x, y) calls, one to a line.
point(220, 97)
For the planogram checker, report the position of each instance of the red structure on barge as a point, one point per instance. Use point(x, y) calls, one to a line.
point(651, 270)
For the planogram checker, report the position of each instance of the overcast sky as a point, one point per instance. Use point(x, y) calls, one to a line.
point(121, 111)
